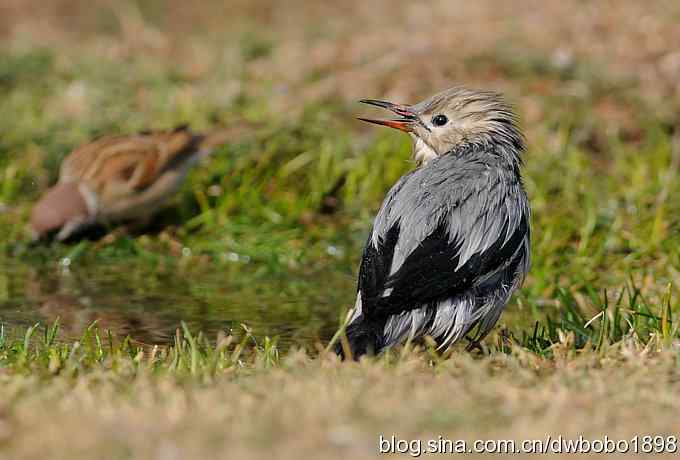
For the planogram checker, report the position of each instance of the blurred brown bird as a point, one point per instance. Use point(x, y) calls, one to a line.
point(116, 178)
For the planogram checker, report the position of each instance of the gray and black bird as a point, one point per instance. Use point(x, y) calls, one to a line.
point(451, 241)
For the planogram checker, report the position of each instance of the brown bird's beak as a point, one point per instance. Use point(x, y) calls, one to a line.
point(407, 117)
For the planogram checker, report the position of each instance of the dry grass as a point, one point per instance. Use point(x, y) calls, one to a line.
point(322, 409)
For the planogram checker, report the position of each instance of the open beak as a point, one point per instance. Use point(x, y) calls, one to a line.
point(407, 117)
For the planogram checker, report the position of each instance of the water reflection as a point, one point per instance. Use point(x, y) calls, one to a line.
point(148, 305)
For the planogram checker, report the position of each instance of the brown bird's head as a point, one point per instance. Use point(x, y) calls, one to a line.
point(456, 118)
point(61, 206)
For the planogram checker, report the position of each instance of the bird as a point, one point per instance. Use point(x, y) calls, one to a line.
point(116, 178)
point(451, 241)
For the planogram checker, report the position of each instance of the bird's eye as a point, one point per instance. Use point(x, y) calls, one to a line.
point(439, 120)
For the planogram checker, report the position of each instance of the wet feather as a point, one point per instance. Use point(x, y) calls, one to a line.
point(450, 243)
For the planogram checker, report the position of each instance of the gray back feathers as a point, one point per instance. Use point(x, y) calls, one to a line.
point(475, 198)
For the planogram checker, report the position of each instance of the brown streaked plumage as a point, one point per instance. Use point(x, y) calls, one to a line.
point(116, 178)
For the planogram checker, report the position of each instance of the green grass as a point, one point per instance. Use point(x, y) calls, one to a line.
point(207, 333)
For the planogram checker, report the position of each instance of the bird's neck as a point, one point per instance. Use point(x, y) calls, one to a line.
point(422, 152)
point(508, 151)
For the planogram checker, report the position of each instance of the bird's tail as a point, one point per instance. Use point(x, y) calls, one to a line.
point(361, 337)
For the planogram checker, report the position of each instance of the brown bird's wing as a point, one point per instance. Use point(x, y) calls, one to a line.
point(121, 165)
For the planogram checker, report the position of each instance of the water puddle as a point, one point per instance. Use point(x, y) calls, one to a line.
point(150, 304)
point(149, 307)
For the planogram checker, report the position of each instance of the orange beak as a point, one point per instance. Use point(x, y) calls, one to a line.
point(406, 121)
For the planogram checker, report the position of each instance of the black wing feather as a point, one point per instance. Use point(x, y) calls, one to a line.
point(429, 273)
point(375, 264)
